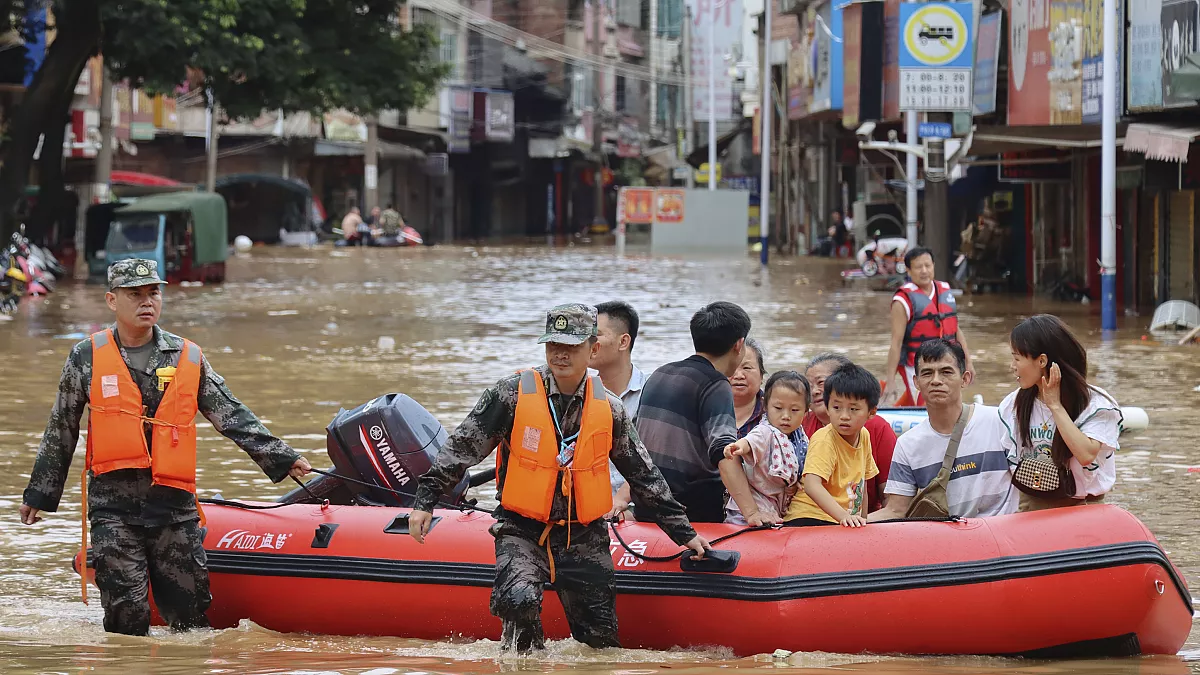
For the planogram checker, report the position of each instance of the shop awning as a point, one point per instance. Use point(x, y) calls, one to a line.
point(989, 139)
point(700, 154)
point(387, 150)
point(1161, 141)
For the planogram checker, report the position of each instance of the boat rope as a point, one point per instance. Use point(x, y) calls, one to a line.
point(612, 524)
point(460, 507)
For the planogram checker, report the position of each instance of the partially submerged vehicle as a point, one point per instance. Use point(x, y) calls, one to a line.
point(186, 232)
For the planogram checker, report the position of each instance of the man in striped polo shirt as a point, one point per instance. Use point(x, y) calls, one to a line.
point(980, 482)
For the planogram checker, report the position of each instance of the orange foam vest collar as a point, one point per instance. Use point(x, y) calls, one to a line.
point(531, 472)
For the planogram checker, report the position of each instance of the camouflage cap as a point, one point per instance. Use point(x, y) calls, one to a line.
point(132, 273)
point(570, 324)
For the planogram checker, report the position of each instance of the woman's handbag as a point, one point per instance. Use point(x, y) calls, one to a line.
point(930, 501)
point(1041, 476)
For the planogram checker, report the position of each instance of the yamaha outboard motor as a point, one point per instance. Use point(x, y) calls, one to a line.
point(388, 442)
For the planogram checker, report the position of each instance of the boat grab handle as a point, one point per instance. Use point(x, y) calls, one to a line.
point(399, 525)
point(719, 561)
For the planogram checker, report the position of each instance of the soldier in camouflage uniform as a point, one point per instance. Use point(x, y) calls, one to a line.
point(583, 571)
point(144, 535)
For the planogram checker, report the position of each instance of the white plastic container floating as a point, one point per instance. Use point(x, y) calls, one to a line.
point(1175, 315)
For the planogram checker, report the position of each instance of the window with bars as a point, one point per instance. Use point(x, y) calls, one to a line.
point(621, 95)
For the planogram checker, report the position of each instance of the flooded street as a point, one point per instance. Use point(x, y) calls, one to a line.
point(297, 335)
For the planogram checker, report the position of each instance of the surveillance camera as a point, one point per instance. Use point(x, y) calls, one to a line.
point(893, 136)
point(864, 132)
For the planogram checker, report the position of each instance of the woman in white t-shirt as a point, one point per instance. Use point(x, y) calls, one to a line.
point(1057, 414)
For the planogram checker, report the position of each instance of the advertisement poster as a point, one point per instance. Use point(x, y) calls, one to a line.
point(828, 59)
point(727, 32)
point(1179, 40)
point(987, 53)
point(1029, 63)
point(1145, 55)
point(668, 206)
point(1066, 74)
point(799, 79)
point(1093, 60)
point(639, 205)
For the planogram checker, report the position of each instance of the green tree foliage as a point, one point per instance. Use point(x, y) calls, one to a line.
point(298, 55)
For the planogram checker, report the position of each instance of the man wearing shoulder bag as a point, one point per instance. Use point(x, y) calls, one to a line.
point(952, 464)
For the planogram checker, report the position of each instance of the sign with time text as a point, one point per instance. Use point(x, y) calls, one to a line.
point(936, 56)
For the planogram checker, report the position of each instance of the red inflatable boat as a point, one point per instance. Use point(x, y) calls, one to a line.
point(1088, 581)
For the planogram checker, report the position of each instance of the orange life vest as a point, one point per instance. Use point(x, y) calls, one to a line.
point(531, 472)
point(116, 432)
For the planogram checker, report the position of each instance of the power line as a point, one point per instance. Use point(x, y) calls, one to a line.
point(539, 47)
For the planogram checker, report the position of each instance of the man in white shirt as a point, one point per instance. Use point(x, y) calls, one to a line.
point(617, 329)
point(980, 482)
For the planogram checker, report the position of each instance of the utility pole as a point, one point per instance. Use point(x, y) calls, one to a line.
point(104, 158)
point(371, 166)
point(210, 178)
point(713, 6)
point(689, 108)
point(766, 102)
point(936, 211)
point(910, 220)
point(599, 220)
point(1108, 172)
point(102, 179)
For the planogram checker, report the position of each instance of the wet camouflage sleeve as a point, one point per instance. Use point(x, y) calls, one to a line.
point(648, 486)
point(233, 420)
point(484, 427)
point(57, 448)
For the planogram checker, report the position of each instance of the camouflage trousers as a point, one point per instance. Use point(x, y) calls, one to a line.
point(132, 560)
point(583, 579)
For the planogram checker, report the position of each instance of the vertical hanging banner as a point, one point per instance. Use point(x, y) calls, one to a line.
point(987, 59)
point(1029, 62)
point(1145, 55)
point(1093, 60)
point(862, 50)
point(936, 56)
point(727, 33)
point(1066, 67)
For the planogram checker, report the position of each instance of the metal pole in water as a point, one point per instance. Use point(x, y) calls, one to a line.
point(910, 220)
point(1108, 172)
point(766, 101)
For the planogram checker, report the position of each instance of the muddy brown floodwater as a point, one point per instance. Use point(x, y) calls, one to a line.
point(296, 335)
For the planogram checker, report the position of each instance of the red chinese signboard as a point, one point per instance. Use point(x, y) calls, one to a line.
point(639, 205)
point(668, 206)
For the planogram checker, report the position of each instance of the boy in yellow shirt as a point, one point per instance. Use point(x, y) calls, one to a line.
point(839, 461)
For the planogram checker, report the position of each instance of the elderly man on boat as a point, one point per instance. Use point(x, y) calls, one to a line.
point(555, 429)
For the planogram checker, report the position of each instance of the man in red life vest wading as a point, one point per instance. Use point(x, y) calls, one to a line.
point(923, 309)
